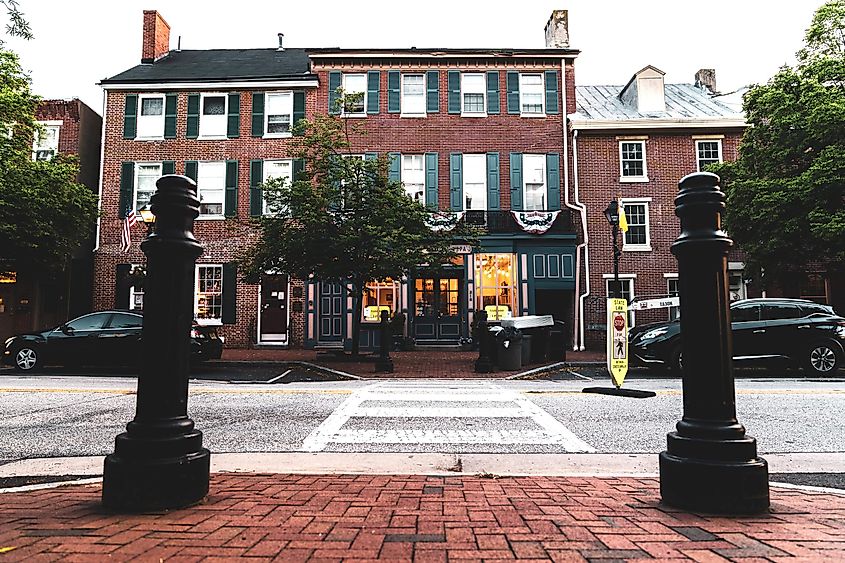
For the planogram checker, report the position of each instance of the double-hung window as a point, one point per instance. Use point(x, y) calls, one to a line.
point(531, 94)
point(213, 117)
point(276, 169)
point(636, 214)
point(355, 91)
point(413, 176)
point(632, 161)
point(475, 182)
point(279, 114)
point(708, 151)
point(46, 144)
point(473, 94)
point(146, 174)
point(211, 182)
point(150, 116)
point(672, 291)
point(208, 299)
point(413, 94)
point(535, 182)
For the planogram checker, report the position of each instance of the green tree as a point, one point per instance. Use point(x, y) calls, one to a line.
point(786, 192)
point(343, 221)
point(17, 26)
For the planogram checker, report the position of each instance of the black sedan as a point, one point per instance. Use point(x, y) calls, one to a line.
point(797, 331)
point(101, 338)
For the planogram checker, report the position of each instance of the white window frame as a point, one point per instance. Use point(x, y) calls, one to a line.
point(150, 127)
point(481, 165)
point(698, 148)
point(266, 170)
point(206, 321)
point(622, 176)
point(203, 187)
point(382, 287)
point(673, 312)
point(623, 278)
point(288, 103)
point(346, 91)
point(217, 121)
point(406, 173)
point(136, 181)
point(511, 286)
point(644, 201)
point(541, 158)
point(38, 147)
point(465, 90)
point(134, 292)
point(406, 99)
point(523, 90)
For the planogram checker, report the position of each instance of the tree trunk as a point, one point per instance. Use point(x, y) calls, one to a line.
point(357, 312)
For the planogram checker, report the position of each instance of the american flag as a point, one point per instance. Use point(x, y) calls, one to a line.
point(125, 234)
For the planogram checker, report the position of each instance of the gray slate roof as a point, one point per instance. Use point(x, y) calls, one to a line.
point(683, 101)
point(220, 65)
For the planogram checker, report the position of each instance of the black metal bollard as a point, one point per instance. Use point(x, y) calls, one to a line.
point(484, 363)
point(710, 464)
point(384, 364)
point(159, 462)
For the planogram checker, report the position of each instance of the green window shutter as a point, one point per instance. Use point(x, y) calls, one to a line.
point(258, 114)
point(334, 84)
point(170, 116)
point(230, 293)
point(130, 117)
point(193, 125)
point(233, 122)
point(393, 89)
point(493, 181)
point(230, 205)
point(551, 92)
point(191, 169)
point(513, 92)
point(431, 180)
point(168, 167)
point(394, 170)
point(553, 181)
point(432, 91)
point(121, 285)
point(454, 102)
point(370, 156)
point(127, 188)
point(373, 85)
point(493, 91)
point(298, 111)
point(516, 181)
point(298, 168)
point(256, 195)
point(456, 181)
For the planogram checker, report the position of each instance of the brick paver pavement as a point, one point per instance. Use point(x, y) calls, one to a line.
point(420, 519)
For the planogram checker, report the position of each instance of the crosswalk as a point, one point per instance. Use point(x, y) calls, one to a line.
point(399, 414)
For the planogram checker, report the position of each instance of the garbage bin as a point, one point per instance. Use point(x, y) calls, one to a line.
point(527, 342)
point(557, 342)
point(539, 344)
point(494, 331)
point(509, 349)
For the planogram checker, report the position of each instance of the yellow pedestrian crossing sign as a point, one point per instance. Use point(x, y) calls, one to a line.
point(617, 339)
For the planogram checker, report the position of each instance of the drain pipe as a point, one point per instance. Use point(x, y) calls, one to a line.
point(581, 247)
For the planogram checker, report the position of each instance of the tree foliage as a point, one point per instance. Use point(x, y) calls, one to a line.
point(342, 220)
point(17, 26)
point(786, 192)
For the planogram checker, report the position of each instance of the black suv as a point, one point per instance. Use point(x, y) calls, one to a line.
point(795, 330)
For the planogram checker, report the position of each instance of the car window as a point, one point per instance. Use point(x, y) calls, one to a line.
point(125, 320)
point(745, 313)
point(775, 311)
point(810, 309)
point(89, 322)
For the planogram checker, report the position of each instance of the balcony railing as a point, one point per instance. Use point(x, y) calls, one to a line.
point(503, 222)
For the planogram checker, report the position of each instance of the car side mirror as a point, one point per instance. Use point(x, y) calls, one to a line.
point(66, 329)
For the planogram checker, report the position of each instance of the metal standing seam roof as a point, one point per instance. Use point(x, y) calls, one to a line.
point(683, 101)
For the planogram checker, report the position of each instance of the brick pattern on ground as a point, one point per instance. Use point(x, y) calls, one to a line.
point(418, 518)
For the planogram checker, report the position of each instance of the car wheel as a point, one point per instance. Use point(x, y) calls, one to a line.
point(821, 359)
point(676, 361)
point(26, 358)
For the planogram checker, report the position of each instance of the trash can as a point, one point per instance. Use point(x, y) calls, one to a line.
point(494, 348)
point(527, 342)
point(539, 344)
point(509, 349)
point(557, 342)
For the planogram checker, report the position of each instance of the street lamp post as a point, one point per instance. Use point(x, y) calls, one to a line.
point(611, 213)
point(148, 217)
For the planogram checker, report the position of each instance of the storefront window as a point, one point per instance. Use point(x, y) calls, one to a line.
point(494, 285)
point(378, 297)
point(209, 295)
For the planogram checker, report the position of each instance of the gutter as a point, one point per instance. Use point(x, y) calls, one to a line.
point(583, 246)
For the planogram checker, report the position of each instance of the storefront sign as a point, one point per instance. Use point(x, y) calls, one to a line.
point(461, 249)
point(9, 277)
point(617, 340)
point(535, 222)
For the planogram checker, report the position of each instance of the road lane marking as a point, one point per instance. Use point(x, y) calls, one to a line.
point(452, 436)
point(439, 412)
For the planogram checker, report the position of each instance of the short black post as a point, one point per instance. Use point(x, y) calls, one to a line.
point(159, 462)
point(484, 363)
point(384, 364)
point(710, 464)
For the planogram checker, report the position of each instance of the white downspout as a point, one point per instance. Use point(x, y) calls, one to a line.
point(583, 246)
point(102, 164)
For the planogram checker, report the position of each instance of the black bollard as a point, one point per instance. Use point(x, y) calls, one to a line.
point(484, 363)
point(710, 464)
point(384, 364)
point(159, 462)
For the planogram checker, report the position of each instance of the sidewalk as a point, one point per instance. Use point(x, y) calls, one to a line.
point(284, 517)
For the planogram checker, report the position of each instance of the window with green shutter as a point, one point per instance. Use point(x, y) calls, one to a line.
point(393, 94)
point(334, 84)
point(127, 188)
point(513, 92)
point(553, 181)
point(373, 86)
point(431, 193)
point(193, 121)
point(170, 116)
point(551, 92)
point(298, 111)
point(432, 89)
point(256, 195)
point(456, 182)
point(493, 198)
point(230, 205)
point(454, 98)
point(258, 114)
point(233, 125)
point(516, 181)
point(130, 116)
point(493, 91)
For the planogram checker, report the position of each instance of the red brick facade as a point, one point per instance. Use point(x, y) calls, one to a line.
point(156, 37)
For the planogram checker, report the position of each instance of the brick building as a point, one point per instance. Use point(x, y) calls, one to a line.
point(31, 301)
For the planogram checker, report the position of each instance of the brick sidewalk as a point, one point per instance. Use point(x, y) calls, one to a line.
point(416, 518)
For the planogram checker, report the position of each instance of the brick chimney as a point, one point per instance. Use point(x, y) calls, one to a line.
point(706, 78)
point(156, 37)
point(557, 30)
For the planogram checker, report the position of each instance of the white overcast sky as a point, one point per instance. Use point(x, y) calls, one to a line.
point(79, 42)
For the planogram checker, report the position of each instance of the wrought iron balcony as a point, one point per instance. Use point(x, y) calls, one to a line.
point(503, 222)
